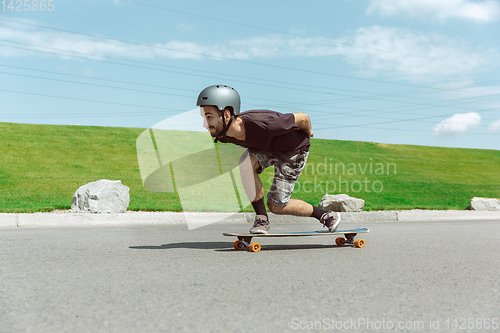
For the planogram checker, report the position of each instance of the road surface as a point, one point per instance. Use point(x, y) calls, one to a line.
point(410, 277)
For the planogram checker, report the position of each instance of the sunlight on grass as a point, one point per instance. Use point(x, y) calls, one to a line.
point(43, 165)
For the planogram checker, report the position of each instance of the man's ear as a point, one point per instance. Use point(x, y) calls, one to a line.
point(227, 114)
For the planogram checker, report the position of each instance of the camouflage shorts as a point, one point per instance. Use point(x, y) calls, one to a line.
point(287, 169)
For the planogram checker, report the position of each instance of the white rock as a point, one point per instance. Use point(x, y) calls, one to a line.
point(485, 204)
point(341, 203)
point(102, 196)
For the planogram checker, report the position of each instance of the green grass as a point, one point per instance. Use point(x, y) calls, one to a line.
point(412, 177)
point(41, 166)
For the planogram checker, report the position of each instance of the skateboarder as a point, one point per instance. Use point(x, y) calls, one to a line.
point(271, 138)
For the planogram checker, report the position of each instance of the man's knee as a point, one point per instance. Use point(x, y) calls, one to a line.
point(249, 161)
point(275, 209)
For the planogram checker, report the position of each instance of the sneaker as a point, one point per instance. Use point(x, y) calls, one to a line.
point(330, 220)
point(260, 226)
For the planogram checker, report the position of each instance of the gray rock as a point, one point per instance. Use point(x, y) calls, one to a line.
point(102, 196)
point(485, 204)
point(341, 203)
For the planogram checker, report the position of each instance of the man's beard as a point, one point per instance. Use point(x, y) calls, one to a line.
point(218, 130)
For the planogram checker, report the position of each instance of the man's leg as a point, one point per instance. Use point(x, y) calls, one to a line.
point(249, 165)
point(296, 207)
point(287, 172)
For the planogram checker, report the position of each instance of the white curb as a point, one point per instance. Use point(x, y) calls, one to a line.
point(69, 219)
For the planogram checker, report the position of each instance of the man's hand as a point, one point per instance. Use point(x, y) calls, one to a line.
point(302, 120)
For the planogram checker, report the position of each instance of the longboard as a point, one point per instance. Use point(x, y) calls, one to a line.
point(245, 240)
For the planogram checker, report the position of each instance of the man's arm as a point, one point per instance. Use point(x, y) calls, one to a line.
point(302, 120)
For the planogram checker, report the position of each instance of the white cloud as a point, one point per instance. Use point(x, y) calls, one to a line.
point(494, 126)
point(376, 50)
point(457, 124)
point(63, 44)
point(482, 11)
point(412, 55)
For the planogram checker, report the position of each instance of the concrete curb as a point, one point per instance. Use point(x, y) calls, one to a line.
point(454, 215)
point(69, 219)
point(420, 216)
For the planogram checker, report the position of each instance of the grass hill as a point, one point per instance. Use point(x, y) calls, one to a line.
point(41, 166)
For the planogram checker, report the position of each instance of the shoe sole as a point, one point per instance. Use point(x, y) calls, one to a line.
point(260, 232)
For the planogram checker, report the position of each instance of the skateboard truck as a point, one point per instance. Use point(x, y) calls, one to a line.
point(349, 239)
point(245, 240)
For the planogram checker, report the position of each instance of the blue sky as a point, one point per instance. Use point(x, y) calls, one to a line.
point(411, 72)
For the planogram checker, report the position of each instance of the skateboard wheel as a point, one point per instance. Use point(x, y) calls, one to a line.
point(238, 245)
point(340, 241)
point(359, 243)
point(255, 247)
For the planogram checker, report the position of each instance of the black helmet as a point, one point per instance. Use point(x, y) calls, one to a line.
point(220, 96)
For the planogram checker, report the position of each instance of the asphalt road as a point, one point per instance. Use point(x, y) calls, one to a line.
point(413, 277)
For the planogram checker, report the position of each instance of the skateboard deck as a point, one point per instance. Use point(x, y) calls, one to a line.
point(245, 240)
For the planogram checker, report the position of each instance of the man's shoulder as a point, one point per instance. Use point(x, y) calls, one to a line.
point(259, 111)
point(261, 114)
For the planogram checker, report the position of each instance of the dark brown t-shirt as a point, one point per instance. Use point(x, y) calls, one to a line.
point(270, 131)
